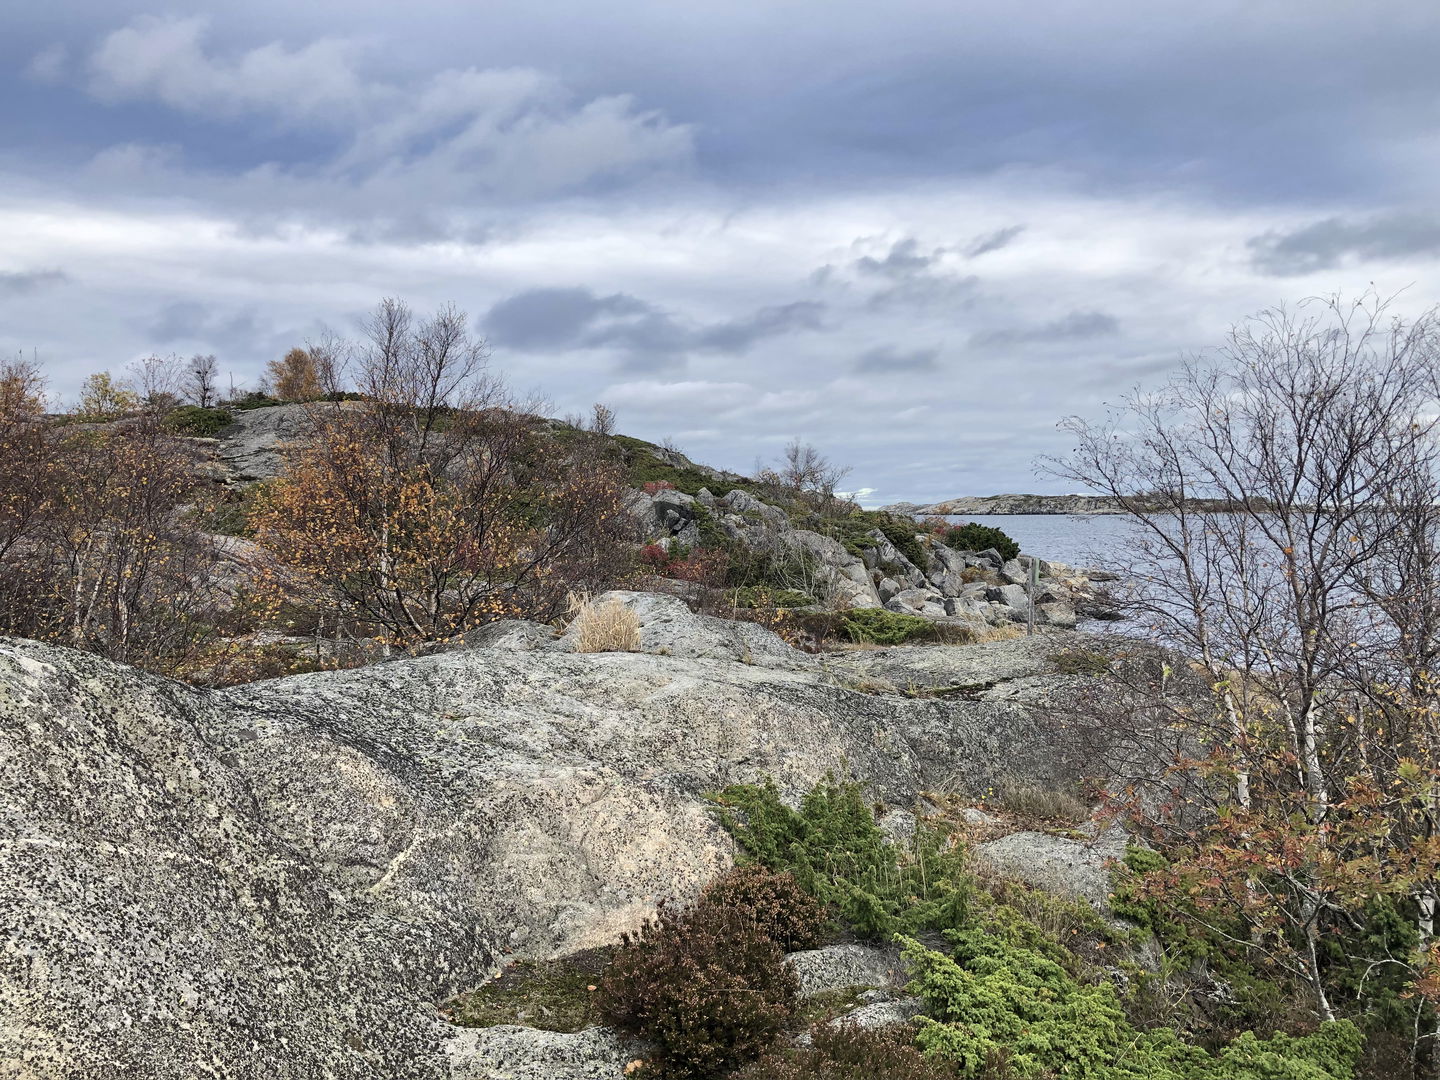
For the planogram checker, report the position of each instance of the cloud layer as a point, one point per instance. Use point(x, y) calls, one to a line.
point(917, 236)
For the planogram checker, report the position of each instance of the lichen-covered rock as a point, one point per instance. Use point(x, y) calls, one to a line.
point(283, 879)
point(841, 967)
point(877, 1014)
point(254, 446)
point(511, 1052)
point(669, 628)
point(1079, 869)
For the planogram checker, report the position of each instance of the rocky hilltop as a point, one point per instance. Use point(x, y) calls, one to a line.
point(974, 591)
point(283, 879)
point(1015, 504)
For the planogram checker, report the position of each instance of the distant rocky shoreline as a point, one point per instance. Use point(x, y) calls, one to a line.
point(1015, 504)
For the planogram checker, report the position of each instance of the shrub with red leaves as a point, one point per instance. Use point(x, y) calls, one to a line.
point(654, 556)
point(709, 988)
point(775, 903)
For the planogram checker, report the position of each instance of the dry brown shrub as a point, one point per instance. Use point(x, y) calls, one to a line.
point(607, 626)
point(1043, 804)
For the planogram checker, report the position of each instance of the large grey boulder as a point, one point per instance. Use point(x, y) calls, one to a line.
point(746, 505)
point(844, 575)
point(284, 879)
point(669, 628)
point(1079, 869)
point(1012, 596)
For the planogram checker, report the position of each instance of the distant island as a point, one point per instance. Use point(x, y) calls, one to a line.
point(1015, 504)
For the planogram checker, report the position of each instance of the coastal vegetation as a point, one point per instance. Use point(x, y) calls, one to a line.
point(417, 499)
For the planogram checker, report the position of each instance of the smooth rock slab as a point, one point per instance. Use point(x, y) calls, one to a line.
point(282, 880)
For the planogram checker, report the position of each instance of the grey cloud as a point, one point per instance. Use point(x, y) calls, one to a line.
point(555, 318)
point(983, 245)
point(903, 260)
point(916, 278)
point(1078, 325)
point(189, 321)
point(1327, 243)
point(927, 290)
point(739, 334)
point(24, 282)
point(888, 358)
point(652, 339)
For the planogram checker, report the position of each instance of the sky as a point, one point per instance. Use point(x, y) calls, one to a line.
point(915, 234)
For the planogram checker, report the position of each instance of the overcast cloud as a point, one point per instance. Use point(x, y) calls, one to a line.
point(917, 235)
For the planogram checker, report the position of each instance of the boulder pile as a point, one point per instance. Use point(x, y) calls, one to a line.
point(974, 589)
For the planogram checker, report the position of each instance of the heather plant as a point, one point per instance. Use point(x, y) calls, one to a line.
point(774, 902)
point(848, 1052)
point(708, 989)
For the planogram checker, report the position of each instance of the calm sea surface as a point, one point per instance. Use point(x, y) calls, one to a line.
point(1094, 540)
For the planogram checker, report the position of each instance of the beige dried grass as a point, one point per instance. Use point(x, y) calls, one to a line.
point(607, 626)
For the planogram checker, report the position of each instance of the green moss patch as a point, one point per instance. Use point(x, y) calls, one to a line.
point(553, 995)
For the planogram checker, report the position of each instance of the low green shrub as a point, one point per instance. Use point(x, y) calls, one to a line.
point(193, 420)
point(877, 626)
point(991, 1000)
point(847, 1052)
point(761, 596)
point(708, 989)
point(977, 537)
point(838, 854)
point(252, 400)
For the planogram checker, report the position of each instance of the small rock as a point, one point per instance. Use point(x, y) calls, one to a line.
point(1075, 868)
point(898, 826)
point(838, 967)
point(882, 1014)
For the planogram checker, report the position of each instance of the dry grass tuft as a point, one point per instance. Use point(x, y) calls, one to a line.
point(603, 627)
point(1044, 804)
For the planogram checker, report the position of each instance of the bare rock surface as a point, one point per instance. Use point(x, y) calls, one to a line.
point(283, 879)
point(253, 447)
point(669, 628)
point(841, 967)
point(511, 1052)
point(988, 669)
point(1079, 869)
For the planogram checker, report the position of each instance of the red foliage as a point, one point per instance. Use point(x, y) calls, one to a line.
point(704, 566)
point(650, 487)
point(655, 557)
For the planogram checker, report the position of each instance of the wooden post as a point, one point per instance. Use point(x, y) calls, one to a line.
point(1032, 582)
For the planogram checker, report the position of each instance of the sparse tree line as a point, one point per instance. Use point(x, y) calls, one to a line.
point(422, 501)
point(1285, 756)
